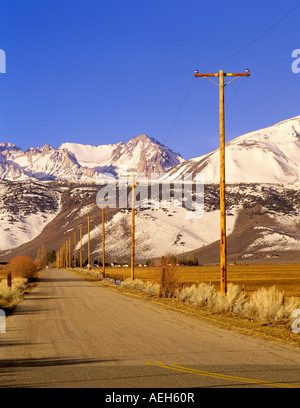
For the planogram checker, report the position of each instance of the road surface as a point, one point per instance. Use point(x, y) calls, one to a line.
point(71, 333)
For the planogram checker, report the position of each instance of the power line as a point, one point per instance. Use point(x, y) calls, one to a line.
point(271, 64)
point(179, 111)
point(229, 57)
point(260, 36)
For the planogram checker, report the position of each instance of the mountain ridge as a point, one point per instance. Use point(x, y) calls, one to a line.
point(268, 155)
point(83, 163)
point(262, 216)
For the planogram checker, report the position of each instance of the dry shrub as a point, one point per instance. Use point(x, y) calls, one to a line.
point(233, 302)
point(151, 289)
point(205, 296)
point(22, 266)
point(269, 305)
point(168, 280)
point(13, 293)
point(202, 295)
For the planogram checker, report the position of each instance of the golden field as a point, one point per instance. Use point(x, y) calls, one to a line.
point(253, 277)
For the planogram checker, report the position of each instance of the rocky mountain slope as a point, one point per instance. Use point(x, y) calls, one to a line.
point(262, 224)
point(84, 163)
point(141, 154)
point(269, 155)
point(262, 200)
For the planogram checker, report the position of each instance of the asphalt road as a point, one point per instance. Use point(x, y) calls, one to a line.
point(72, 333)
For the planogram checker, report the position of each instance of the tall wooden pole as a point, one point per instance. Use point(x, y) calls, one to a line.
point(66, 254)
point(89, 246)
point(103, 243)
point(132, 228)
point(70, 256)
point(74, 249)
point(223, 253)
point(80, 253)
point(62, 256)
point(103, 235)
point(81, 247)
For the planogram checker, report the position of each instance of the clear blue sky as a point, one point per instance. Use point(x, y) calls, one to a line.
point(98, 72)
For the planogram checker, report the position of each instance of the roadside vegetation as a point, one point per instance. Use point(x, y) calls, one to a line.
point(267, 309)
point(17, 277)
point(266, 305)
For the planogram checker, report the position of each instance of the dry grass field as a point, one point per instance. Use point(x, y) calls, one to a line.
point(253, 277)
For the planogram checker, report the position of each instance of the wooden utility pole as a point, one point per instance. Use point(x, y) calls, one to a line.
point(66, 253)
point(74, 249)
point(70, 256)
point(89, 246)
point(223, 255)
point(61, 257)
point(103, 243)
point(132, 226)
point(132, 222)
point(80, 246)
point(103, 235)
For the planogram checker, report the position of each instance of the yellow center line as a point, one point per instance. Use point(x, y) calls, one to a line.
point(221, 376)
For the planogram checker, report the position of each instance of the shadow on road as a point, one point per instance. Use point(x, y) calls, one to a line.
point(49, 362)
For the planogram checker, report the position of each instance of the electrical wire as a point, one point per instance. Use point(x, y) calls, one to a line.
point(260, 36)
point(270, 64)
point(179, 111)
point(227, 58)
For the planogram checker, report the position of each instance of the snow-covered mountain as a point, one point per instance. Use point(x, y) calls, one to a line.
point(141, 154)
point(262, 223)
point(41, 163)
point(270, 155)
point(262, 198)
point(82, 163)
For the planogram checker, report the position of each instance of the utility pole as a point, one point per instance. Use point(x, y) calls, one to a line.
point(223, 255)
point(80, 245)
point(89, 247)
point(103, 235)
point(62, 256)
point(70, 256)
point(75, 249)
point(66, 253)
point(132, 222)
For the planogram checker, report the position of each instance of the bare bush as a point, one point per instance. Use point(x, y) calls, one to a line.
point(22, 266)
point(168, 280)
